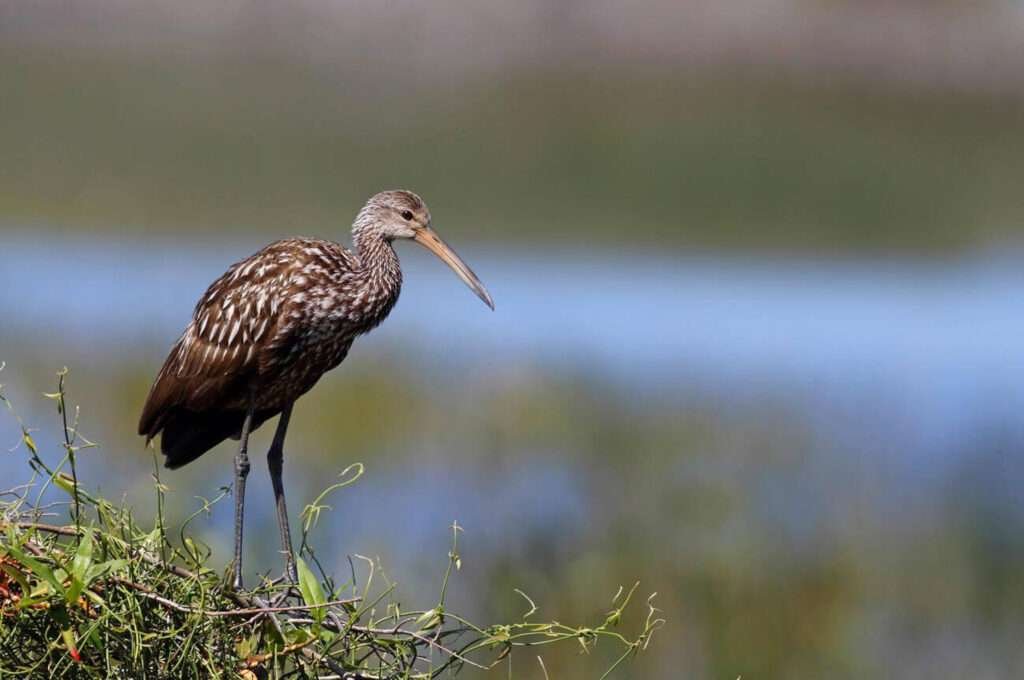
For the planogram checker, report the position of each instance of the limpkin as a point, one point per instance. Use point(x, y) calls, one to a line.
point(267, 329)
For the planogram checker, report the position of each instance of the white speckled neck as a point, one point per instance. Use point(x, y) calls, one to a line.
point(379, 276)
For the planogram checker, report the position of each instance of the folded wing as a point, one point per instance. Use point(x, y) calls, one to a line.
point(201, 394)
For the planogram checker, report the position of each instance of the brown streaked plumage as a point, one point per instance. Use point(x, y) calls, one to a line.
point(269, 328)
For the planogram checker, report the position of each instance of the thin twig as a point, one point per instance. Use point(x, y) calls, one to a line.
point(150, 594)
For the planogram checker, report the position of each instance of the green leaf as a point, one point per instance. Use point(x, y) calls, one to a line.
point(19, 578)
point(100, 570)
point(16, 576)
point(74, 590)
point(83, 557)
point(309, 586)
point(41, 570)
point(94, 598)
point(153, 539)
point(428, 619)
point(246, 647)
point(65, 482)
point(297, 636)
point(79, 569)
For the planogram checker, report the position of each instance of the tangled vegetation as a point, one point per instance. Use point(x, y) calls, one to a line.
point(85, 591)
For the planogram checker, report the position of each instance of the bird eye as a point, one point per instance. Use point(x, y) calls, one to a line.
point(407, 214)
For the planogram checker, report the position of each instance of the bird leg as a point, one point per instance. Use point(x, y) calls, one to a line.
point(241, 472)
point(275, 461)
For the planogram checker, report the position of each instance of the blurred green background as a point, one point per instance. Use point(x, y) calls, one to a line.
point(758, 281)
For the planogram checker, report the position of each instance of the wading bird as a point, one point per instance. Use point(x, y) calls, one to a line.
point(267, 329)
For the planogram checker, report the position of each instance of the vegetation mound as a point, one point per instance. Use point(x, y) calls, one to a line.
point(85, 591)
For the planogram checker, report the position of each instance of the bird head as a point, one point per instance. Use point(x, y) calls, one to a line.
point(395, 215)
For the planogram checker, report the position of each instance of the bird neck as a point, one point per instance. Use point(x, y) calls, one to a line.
point(379, 270)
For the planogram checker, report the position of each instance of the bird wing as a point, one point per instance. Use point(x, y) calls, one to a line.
point(217, 356)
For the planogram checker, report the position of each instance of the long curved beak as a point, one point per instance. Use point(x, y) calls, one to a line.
point(429, 239)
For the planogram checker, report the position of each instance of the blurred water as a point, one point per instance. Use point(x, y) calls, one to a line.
point(922, 350)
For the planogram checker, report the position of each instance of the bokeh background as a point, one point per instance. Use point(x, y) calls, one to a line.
point(759, 284)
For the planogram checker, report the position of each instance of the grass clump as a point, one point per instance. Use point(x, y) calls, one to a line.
point(87, 592)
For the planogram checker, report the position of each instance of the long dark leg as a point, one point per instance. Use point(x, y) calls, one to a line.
point(275, 461)
point(241, 472)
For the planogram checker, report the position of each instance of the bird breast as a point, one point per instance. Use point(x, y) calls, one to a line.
point(283, 317)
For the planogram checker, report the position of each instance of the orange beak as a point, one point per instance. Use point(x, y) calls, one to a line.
point(429, 239)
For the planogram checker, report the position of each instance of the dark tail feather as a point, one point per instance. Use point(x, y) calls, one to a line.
point(188, 435)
